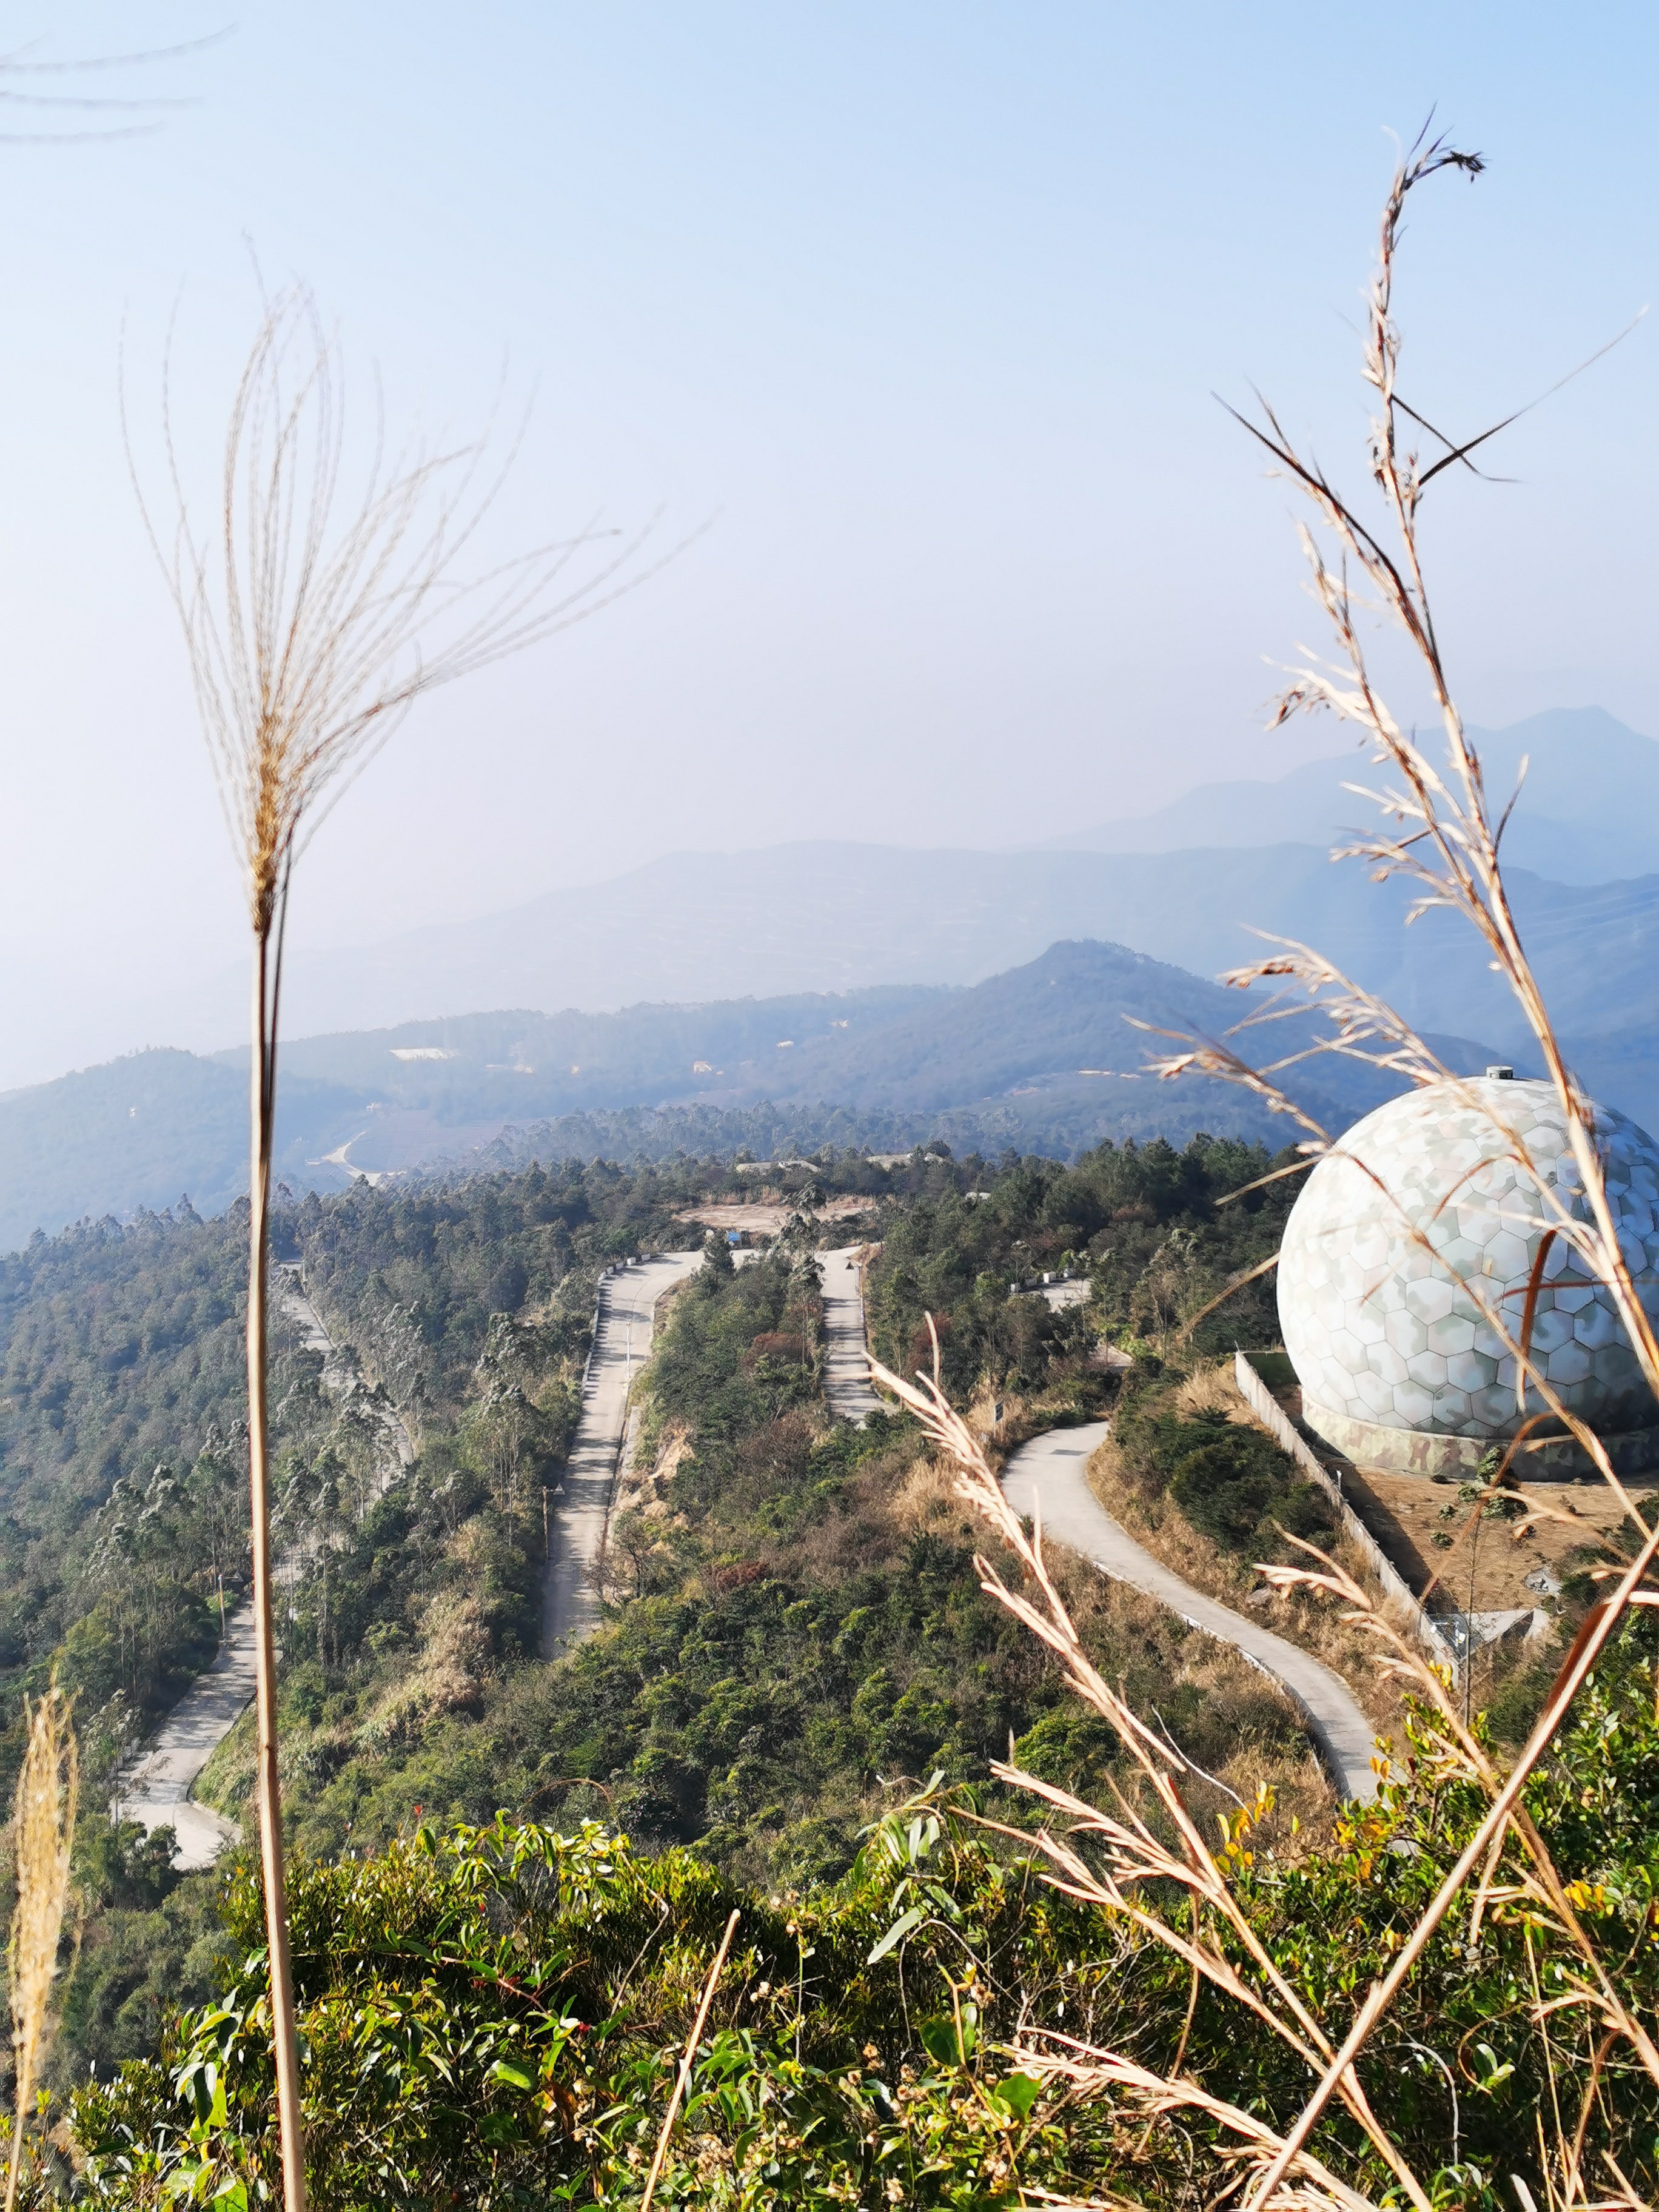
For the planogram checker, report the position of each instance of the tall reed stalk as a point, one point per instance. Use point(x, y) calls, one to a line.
point(1443, 833)
point(48, 1791)
point(312, 622)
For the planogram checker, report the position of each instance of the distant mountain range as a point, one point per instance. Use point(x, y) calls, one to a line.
point(1587, 814)
point(849, 918)
point(882, 983)
point(1041, 1059)
point(840, 918)
point(1183, 885)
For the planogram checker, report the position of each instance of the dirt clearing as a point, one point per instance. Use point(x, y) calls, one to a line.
point(768, 1218)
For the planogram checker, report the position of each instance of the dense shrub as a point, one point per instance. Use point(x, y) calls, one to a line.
point(1144, 1222)
point(493, 2015)
point(1231, 1480)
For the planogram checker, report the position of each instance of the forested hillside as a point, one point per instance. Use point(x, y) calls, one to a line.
point(1146, 1224)
point(767, 1561)
point(122, 1447)
point(1044, 1058)
point(795, 1609)
point(796, 1645)
point(123, 1481)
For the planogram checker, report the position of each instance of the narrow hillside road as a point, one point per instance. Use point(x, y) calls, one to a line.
point(846, 1368)
point(1048, 1474)
point(628, 1299)
point(155, 1789)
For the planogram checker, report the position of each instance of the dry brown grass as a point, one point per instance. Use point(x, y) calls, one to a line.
point(312, 622)
point(1445, 837)
point(866, 1533)
point(1155, 1521)
point(446, 1676)
point(927, 1497)
point(1441, 831)
point(1111, 1615)
point(48, 1791)
point(1243, 1704)
point(1212, 1389)
point(1121, 1860)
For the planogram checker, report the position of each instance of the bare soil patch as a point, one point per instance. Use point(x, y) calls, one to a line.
point(1483, 1561)
point(1430, 1529)
point(769, 1218)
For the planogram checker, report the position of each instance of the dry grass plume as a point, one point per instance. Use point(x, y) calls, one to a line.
point(48, 1791)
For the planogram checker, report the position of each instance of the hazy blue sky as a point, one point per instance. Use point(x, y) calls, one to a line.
point(927, 301)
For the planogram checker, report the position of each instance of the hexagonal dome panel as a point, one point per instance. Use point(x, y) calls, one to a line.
point(1435, 1166)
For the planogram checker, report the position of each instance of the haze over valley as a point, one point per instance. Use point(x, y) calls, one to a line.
point(856, 980)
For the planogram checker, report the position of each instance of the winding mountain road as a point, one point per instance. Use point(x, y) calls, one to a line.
point(846, 1367)
point(1051, 1471)
point(155, 1787)
point(1048, 1475)
point(1048, 1472)
point(622, 1340)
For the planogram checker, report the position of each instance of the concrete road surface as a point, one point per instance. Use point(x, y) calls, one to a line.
point(847, 1370)
point(570, 1608)
point(156, 1789)
point(1049, 1472)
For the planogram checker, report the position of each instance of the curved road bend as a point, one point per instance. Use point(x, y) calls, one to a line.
point(627, 1302)
point(155, 1789)
point(1050, 1470)
point(846, 1368)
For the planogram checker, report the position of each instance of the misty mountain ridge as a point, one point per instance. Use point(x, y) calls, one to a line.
point(841, 918)
point(1041, 1058)
point(1185, 885)
point(871, 980)
point(1585, 815)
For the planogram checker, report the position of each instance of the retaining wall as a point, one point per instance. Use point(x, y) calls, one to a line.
point(1273, 1418)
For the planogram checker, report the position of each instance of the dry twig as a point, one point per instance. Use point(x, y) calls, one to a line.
point(683, 2075)
point(1445, 838)
point(1127, 1853)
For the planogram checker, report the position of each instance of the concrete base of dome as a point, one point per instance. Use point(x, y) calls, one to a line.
point(1418, 1451)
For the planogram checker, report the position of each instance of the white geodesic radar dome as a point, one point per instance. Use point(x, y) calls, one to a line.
point(1380, 1331)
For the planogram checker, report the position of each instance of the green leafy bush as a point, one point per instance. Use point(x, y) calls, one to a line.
point(1231, 1480)
point(494, 2015)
